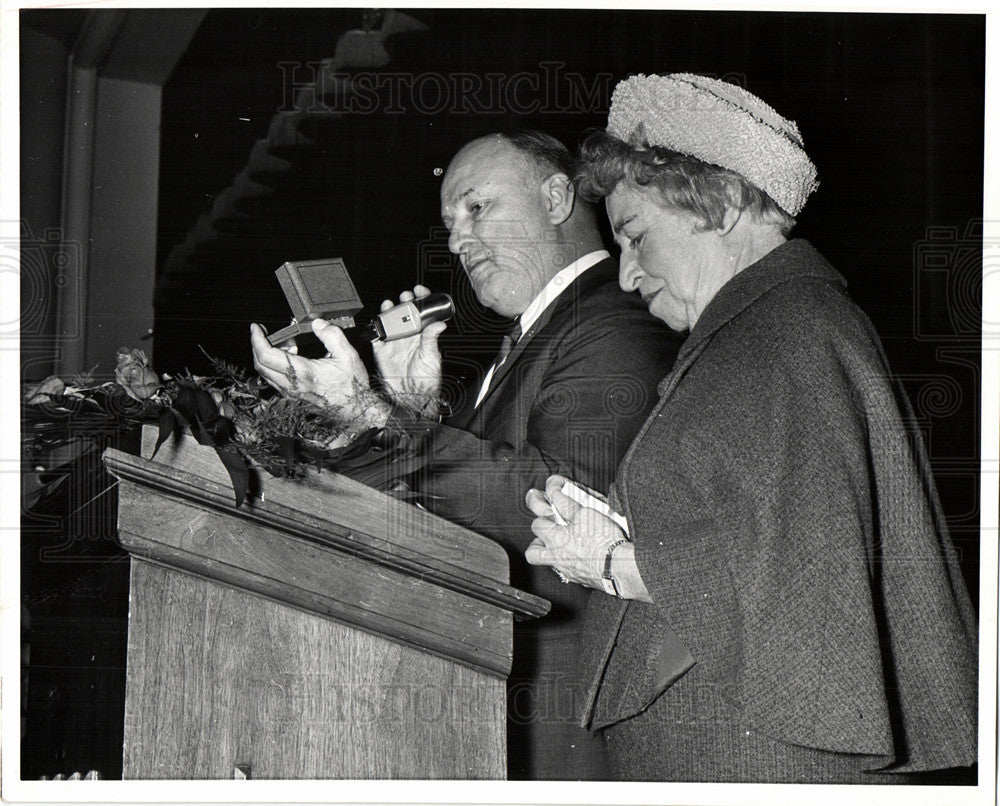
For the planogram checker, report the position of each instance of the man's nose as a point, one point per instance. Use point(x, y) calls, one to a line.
point(629, 272)
point(457, 238)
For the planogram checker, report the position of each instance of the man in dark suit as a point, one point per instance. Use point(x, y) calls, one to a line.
point(571, 387)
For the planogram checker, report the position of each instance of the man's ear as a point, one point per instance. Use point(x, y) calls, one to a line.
point(558, 195)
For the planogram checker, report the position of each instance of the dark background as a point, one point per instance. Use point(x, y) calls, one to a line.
point(890, 108)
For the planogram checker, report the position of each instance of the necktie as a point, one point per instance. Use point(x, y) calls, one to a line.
point(505, 347)
point(509, 340)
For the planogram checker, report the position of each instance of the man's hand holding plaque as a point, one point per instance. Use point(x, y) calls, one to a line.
point(338, 381)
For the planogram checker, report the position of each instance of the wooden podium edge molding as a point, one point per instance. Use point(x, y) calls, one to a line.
point(483, 596)
point(490, 656)
point(274, 515)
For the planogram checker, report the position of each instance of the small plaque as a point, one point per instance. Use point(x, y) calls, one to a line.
point(316, 289)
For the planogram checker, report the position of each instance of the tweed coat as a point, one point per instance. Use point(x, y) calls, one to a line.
point(787, 527)
point(569, 399)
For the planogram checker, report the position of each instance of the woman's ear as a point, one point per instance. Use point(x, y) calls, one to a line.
point(733, 210)
point(559, 195)
point(729, 219)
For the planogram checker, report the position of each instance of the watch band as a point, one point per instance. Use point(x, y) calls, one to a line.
point(607, 580)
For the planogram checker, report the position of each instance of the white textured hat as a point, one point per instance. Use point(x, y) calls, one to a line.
point(719, 123)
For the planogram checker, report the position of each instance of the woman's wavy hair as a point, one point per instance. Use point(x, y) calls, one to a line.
point(682, 181)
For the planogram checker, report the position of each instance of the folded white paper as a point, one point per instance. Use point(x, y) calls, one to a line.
point(584, 498)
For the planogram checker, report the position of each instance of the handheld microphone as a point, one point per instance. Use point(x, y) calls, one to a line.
point(406, 319)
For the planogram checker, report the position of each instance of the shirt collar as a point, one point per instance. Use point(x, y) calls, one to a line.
point(559, 283)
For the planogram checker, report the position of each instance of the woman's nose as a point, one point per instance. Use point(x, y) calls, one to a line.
point(629, 272)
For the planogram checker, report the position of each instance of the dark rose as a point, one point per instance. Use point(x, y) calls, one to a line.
point(219, 429)
point(134, 374)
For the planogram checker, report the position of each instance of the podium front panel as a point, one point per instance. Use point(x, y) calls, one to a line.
point(220, 679)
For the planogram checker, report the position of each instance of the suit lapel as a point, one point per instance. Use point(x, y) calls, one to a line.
point(596, 275)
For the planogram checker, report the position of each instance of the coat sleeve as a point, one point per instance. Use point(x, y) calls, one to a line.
point(571, 407)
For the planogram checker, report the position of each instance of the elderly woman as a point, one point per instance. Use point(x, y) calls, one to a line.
point(781, 601)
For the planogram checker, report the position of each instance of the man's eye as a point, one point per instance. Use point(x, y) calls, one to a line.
point(636, 242)
point(476, 208)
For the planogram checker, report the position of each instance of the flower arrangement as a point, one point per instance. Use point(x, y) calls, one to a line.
point(242, 418)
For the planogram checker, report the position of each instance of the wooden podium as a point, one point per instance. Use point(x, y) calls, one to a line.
point(320, 630)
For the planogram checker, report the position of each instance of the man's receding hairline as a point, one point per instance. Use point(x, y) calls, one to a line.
point(499, 141)
point(545, 166)
point(539, 165)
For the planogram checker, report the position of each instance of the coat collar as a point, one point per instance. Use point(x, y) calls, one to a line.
point(792, 260)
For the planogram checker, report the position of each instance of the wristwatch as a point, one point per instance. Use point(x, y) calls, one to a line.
point(607, 580)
